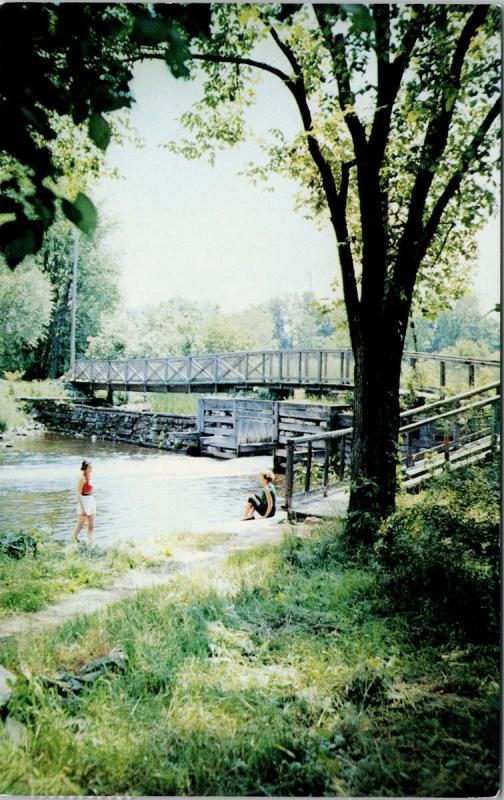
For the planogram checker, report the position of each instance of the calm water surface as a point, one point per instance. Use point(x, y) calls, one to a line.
point(139, 492)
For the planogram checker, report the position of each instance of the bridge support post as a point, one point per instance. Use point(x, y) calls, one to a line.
point(110, 395)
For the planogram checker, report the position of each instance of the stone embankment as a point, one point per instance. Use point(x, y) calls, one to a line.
point(164, 431)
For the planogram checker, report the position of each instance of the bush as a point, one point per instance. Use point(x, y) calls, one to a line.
point(440, 556)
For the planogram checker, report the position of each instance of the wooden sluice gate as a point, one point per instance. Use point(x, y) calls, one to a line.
point(235, 427)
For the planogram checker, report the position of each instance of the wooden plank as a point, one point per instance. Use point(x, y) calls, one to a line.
point(289, 406)
point(218, 429)
point(218, 441)
point(300, 428)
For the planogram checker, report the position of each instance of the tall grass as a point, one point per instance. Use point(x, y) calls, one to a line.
point(11, 413)
point(281, 675)
point(33, 582)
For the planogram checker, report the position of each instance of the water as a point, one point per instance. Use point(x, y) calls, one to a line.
point(139, 492)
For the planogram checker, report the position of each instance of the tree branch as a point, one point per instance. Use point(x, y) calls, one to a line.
point(389, 74)
point(336, 201)
point(468, 156)
point(346, 98)
point(436, 138)
point(250, 62)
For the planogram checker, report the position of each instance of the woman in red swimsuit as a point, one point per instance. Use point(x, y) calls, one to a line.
point(86, 503)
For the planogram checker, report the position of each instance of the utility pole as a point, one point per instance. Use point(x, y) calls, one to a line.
point(74, 301)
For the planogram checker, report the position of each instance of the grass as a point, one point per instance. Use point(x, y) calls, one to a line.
point(282, 674)
point(32, 583)
point(11, 415)
point(173, 403)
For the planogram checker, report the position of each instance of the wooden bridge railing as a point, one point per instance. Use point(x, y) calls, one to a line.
point(466, 433)
point(295, 368)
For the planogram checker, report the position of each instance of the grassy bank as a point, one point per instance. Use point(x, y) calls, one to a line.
point(11, 413)
point(287, 673)
point(33, 582)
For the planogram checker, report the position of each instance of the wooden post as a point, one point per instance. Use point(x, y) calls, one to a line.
point(446, 444)
point(235, 427)
point(471, 374)
point(280, 365)
point(495, 426)
point(276, 412)
point(321, 355)
point(264, 367)
point(347, 366)
point(200, 417)
point(308, 468)
point(342, 366)
point(342, 458)
point(326, 358)
point(409, 449)
point(246, 367)
point(327, 452)
point(442, 373)
point(289, 478)
point(300, 367)
point(456, 434)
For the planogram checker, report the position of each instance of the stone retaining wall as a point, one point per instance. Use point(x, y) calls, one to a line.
point(164, 431)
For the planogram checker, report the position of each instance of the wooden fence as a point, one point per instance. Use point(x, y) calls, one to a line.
point(465, 432)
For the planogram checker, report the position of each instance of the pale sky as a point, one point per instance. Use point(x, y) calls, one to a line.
point(185, 228)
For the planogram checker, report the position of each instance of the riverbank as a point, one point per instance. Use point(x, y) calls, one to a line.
point(280, 672)
point(12, 416)
point(87, 579)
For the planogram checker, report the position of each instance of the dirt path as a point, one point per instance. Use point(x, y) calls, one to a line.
point(240, 536)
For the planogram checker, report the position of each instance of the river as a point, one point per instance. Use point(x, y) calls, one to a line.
point(139, 492)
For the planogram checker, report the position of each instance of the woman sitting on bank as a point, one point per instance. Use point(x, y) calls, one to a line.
point(265, 505)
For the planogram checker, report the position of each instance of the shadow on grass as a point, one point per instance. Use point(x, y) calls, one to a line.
point(278, 675)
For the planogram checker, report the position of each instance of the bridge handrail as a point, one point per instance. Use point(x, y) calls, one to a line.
point(448, 400)
point(407, 354)
point(307, 441)
point(413, 426)
point(490, 362)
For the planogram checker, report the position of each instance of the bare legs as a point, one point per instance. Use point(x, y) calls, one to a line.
point(248, 511)
point(83, 518)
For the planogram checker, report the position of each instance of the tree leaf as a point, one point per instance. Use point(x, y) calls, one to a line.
point(362, 21)
point(81, 212)
point(99, 131)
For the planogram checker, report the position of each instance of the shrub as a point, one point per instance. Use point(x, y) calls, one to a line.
point(440, 556)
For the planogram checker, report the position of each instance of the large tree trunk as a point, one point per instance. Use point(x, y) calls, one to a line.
point(376, 426)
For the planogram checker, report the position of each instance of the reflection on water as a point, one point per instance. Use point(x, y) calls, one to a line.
point(139, 492)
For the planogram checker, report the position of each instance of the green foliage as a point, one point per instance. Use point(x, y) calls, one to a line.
point(11, 414)
point(440, 555)
point(25, 312)
point(463, 321)
point(97, 294)
point(72, 62)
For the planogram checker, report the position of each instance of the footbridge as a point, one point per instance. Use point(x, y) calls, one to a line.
point(280, 370)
